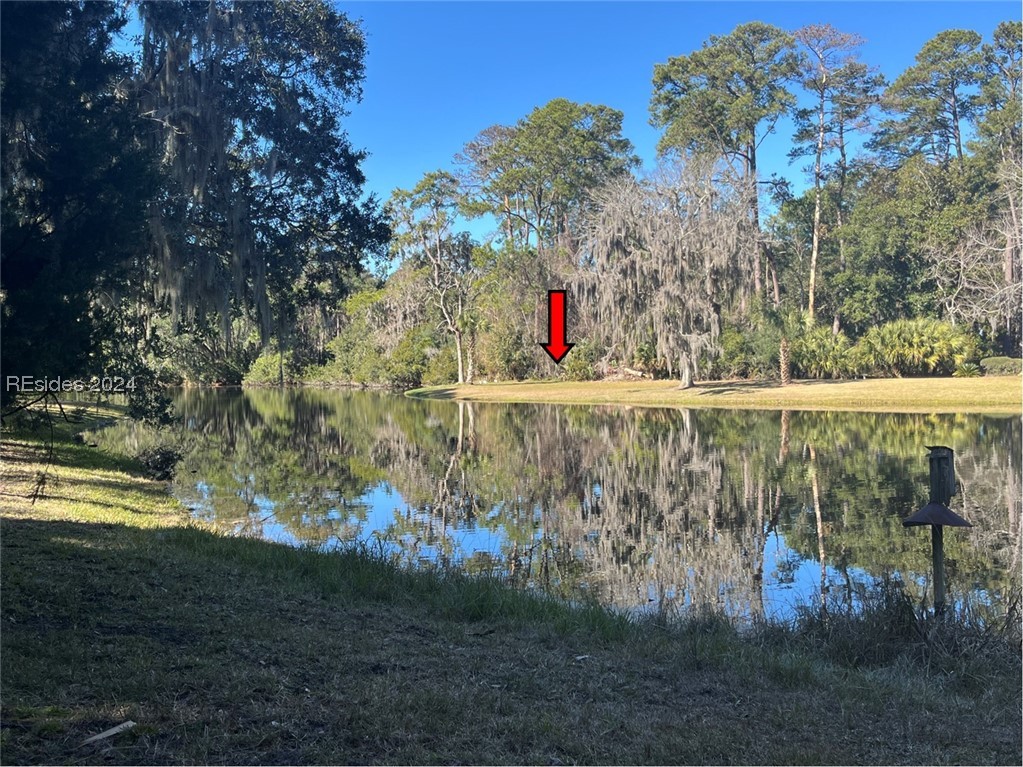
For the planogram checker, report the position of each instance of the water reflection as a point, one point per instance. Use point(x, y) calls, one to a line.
point(752, 512)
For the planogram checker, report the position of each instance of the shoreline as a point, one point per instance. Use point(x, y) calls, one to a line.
point(996, 395)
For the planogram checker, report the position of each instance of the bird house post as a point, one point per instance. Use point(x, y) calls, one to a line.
point(937, 514)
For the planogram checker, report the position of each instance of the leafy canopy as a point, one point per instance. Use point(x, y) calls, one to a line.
point(718, 97)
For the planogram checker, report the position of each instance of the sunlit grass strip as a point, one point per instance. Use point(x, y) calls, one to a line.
point(996, 394)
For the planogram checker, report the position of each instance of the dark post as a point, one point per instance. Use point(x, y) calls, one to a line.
point(943, 487)
point(938, 559)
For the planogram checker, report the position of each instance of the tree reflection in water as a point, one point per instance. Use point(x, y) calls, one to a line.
point(751, 512)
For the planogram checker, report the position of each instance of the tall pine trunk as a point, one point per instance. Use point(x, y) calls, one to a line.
point(751, 178)
point(836, 326)
point(458, 354)
point(811, 302)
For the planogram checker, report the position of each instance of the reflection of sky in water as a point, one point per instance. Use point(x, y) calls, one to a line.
point(384, 502)
point(801, 584)
point(381, 504)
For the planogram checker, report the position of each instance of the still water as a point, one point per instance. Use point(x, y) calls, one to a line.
point(752, 512)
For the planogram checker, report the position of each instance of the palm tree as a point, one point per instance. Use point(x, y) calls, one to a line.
point(789, 324)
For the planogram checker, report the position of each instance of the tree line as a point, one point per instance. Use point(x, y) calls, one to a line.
point(185, 205)
point(902, 256)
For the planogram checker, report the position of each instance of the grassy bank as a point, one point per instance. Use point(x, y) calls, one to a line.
point(116, 607)
point(996, 394)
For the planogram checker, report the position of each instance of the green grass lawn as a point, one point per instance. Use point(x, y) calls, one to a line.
point(234, 651)
point(995, 394)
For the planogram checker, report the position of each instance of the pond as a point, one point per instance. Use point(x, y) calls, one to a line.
point(755, 513)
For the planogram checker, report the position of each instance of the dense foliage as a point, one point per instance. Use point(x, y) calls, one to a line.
point(75, 180)
point(174, 201)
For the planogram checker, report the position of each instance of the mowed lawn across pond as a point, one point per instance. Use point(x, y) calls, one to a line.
point(993, 394)
point(117, 607)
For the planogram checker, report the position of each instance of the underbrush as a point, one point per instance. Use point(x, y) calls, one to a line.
point(888, 631)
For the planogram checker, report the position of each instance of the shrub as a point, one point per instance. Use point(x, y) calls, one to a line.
point(182, 355)
point(735, 356)
point(645, 357)
point(749, 354)
point(159, 462)
point(506, 354)
point(581, 362)
point(266, 369)
point(1001, 366)
point(407, 363)
point(922, 346)
point(966, 370)
point(355, 358)
point(149, 400)
point(442, 367)
point(885, 628)
point(819, 353)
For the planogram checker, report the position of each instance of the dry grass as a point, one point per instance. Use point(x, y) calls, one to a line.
point(232, 651)
point(996, 394)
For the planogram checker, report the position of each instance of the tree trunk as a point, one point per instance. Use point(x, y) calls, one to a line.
point(1011, 240)
point(775, 287)
point(811, 299)
point(280, 352)
point(785, 362)
point(957, 135)
point(839, 202)
point(685, 373)
point(509, 223)
point(458, 354)
point(751, 178)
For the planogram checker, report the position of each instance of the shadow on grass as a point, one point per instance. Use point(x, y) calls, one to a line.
point(712, 388)
point(739, 387)
point(279, 653)
point(733, 387)
point(447, 392)
point(44, 496)
point(451, 392)
point(35, 450)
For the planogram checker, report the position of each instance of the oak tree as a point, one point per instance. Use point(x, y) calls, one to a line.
point(246, 102)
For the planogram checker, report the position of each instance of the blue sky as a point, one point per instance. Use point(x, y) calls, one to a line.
point(437, 73)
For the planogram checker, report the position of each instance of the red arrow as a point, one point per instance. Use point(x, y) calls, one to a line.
point(557, 319)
